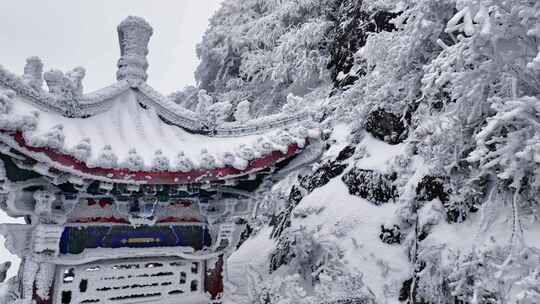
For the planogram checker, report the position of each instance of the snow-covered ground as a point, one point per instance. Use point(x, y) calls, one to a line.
point(354, 224)
point(254, 253)
point(5, 255)
point(333, 217)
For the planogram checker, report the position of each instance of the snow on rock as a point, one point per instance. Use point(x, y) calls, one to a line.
point(386, 126)
point(354, 224)
point(378, 154)
point(344, 226)
point(376, 187)
point(339, 138)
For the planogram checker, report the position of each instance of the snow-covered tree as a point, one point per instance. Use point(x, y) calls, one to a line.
point(264, 50)
point(457, 79)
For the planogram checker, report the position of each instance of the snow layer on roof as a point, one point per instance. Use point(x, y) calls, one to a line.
point(127, 126)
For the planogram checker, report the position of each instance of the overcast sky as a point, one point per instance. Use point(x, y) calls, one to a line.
point(69, 33)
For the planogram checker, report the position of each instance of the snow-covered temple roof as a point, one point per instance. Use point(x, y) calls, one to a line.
point(128, 132)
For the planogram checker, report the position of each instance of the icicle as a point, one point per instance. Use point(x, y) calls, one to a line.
point(107, 158)
point(183, 163)
point(134, 161)
point(207, 161)
point(82, 150)
point(160, 162)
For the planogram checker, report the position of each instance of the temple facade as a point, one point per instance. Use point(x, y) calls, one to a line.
point(127, 196)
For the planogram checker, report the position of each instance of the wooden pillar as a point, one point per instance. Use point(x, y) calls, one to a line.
point(214, 279)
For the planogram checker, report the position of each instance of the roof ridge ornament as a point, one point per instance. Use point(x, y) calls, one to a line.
point(134, 35)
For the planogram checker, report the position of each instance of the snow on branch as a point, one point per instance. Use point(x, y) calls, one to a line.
point(509, 145)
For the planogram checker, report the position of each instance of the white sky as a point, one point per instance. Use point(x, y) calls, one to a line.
point(69, 33)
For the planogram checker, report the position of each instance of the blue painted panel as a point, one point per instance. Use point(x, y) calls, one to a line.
point(75, 240)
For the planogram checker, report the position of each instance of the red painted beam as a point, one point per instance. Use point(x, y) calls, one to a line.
point(121, 175)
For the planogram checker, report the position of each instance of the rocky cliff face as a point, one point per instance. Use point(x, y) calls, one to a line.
point(428, 188)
